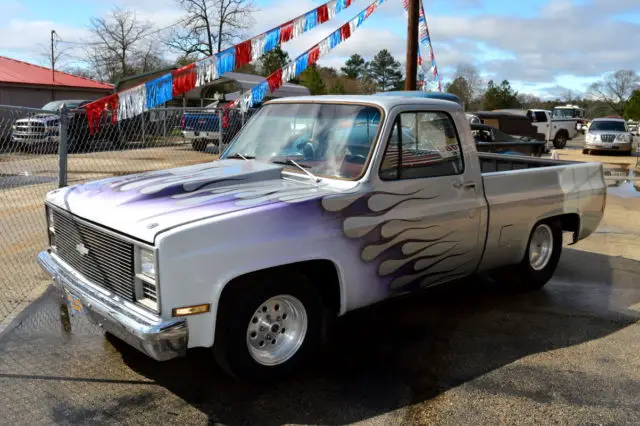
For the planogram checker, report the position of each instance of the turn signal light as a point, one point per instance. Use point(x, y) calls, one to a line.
point(191, 310)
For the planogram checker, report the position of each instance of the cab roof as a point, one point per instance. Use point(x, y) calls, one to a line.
point(386, 102)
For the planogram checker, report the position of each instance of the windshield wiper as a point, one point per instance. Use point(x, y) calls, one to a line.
point(244, 157)
point(304, 168)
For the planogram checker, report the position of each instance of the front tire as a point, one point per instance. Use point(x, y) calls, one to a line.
point(267, 326)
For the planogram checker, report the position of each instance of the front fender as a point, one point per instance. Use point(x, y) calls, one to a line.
point(197, 261)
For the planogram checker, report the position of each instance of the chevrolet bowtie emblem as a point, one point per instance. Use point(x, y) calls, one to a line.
point(80, 248)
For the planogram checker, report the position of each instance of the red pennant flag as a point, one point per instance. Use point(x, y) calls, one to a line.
point(96, 111)
point(345, 31)
point(314, 55)
point(184, 79)
point(370, 10)
point(243, 53)
point(286, 32)
point(323, 14)
point(275, 80)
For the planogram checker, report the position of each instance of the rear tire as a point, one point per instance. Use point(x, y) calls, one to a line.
point(540, 260)
point(267, 326)
point(560, 141)
point(585, 151)
point(199, 145)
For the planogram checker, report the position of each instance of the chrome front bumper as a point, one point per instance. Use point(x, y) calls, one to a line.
point(600, 146)
point(161, 340)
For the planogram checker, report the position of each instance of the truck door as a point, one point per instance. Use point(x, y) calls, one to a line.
point(540, 119)
point(429, 203)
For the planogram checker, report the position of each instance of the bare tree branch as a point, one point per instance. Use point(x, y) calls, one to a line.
point(121, 43)
point(209, 25)
point(615, 89)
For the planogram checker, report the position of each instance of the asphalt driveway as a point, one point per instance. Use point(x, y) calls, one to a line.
point(473, 353)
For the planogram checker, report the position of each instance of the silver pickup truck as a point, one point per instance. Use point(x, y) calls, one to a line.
point(320, 206)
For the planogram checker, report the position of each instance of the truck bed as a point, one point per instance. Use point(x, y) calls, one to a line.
point(521, 191)
point(490, 163)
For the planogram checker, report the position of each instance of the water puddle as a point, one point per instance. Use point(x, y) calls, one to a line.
point(622, 180)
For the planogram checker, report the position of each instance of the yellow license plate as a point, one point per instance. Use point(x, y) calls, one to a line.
point(74, 303)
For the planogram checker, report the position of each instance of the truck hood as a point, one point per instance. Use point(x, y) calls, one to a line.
point(38, 118)
point(143, 205)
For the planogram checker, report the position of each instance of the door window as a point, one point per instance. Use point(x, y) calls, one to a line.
point(422, 145)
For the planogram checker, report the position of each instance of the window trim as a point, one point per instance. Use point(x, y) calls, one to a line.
point(396, 121)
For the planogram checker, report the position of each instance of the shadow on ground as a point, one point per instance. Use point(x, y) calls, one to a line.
point(408, 351)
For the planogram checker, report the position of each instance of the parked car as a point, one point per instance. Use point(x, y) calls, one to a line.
point(608, 134)
point(43, 129)
point(491, 139)
point(203, 127)
point(320, 206)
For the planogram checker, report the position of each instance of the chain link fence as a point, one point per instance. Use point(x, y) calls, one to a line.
point(41, 150)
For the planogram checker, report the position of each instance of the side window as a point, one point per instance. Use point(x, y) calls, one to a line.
point(541, 117)
point(422, 145)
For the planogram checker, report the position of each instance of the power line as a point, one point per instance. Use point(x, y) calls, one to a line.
point(87, 43)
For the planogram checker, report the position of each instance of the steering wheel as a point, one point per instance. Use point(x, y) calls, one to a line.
point(356, 158)
point(309, 151)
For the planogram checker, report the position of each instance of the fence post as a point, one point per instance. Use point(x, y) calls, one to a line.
point(144, 142)
point(220, 131)
point(63, 147)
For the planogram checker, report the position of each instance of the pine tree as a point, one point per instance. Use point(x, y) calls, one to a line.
point(310, 78)
point(274, 60)
point(385, 71)
point(354, 67)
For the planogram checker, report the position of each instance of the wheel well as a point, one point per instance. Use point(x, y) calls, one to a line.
point(569, 223)
point(322, 273)
point(563, 131)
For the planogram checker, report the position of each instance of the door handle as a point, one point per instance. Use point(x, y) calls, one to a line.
point(465, 185)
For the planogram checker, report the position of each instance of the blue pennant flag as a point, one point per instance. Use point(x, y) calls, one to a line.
point(310, 20)
point(226, 61)
point(271, 40)
point(159, 91)
point(258, 93)
point(334, 39)
point(301, 63)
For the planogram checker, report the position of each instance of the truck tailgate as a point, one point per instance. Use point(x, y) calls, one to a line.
point(521, 191)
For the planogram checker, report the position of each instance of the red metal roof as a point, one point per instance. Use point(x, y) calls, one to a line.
point(13, 71)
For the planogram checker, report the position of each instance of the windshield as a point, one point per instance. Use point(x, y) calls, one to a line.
point(332, 140)
point(566, 113)
point(56, 105)
point(609, 126)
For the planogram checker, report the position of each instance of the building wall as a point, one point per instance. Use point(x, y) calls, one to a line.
point(36, 97)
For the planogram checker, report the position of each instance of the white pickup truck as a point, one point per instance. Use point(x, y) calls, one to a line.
point(320, 206)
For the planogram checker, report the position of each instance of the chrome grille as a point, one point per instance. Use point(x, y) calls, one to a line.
point(149, 291)
point(608, 138)
point(101, 258)
point(30, 128)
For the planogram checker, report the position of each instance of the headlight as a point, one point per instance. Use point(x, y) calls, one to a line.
point(148, 263)
point(622, 138)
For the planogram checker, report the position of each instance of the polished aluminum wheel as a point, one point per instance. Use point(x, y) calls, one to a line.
point(541, 247)
point(276, 330)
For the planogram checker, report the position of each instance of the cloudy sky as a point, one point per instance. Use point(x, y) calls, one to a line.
point(543, 47)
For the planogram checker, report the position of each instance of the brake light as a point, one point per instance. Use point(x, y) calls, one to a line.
point(182, 122)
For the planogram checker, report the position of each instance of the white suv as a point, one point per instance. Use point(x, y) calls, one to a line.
point(608, 134)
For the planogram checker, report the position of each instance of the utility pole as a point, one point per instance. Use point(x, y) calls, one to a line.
point(53, 57)
point(413, 11)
